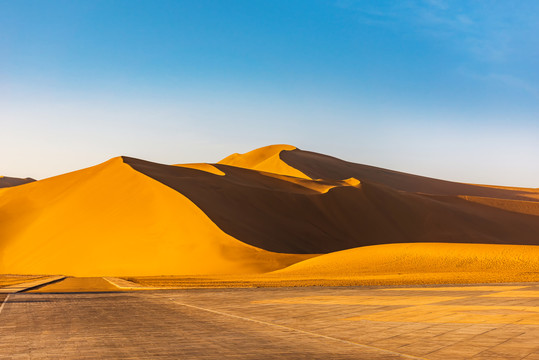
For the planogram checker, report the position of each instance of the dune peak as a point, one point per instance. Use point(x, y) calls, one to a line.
point(267, 159)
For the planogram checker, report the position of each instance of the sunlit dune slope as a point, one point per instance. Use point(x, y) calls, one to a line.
point(265, 159)
point(291, 215)
point(420, 258)
point(6, 181)
point(388, 264)
point(316, 166)
point(112, 220)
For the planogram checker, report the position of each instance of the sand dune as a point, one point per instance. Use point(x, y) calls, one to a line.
point(322, 166)
point(276, 214)
point(259, 212)
point(110, 219)
point(419, 257)
point(265, 159)
point(387, 264)
point(6, 181)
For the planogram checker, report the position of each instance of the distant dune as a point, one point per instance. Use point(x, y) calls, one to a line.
point(266, 159)
point(260, 212)
point(420, 258)
point(290, 216)
point(327, 167)
point(6, 181)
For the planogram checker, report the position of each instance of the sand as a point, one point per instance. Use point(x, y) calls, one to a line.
point(317, 166)
point(389, 264)
point(112, 220)
point(294, 215)
point(472, 262)
point(265, 159)
point(8, 280)
point(275, 215)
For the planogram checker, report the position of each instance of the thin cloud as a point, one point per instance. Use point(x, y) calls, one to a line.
point(515, 82)
point(506, 80)
point(484, 30)
point(440, 4)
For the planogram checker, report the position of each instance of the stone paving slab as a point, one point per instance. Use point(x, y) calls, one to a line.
point(273, 323)
point(134, 326)
point(25, 286)
point(456, 329)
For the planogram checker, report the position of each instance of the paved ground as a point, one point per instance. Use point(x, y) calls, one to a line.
point(471, 322)
point(82, 284)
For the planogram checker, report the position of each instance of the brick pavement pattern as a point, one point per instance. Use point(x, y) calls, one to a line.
point(466, 322)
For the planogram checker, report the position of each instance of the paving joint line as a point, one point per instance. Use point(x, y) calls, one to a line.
point(4, 303)
point(302, 331)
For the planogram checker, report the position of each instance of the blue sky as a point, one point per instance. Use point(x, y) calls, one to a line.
point(447, 89)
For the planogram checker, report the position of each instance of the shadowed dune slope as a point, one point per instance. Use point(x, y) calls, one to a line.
point(524, 207)
point(281, 215)
point(112, 220)
point(420, 258)
point(322, 166)
point(6, 181)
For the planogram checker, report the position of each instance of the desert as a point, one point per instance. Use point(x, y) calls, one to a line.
point(257, 213)
point(278, 252)
point(269, 180)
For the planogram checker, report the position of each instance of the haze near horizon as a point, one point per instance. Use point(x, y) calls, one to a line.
point(443, 89)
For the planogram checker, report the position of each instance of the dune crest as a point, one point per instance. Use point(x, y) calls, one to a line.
point(266, 159)
point(203, 167)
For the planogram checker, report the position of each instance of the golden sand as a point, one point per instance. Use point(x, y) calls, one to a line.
point(265, 159)
point(262, 219)
point(421, 258)
point(391, 264)
point(90, 223)
point(8, 280)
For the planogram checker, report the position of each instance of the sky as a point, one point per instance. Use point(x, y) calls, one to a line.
point(446, 89)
